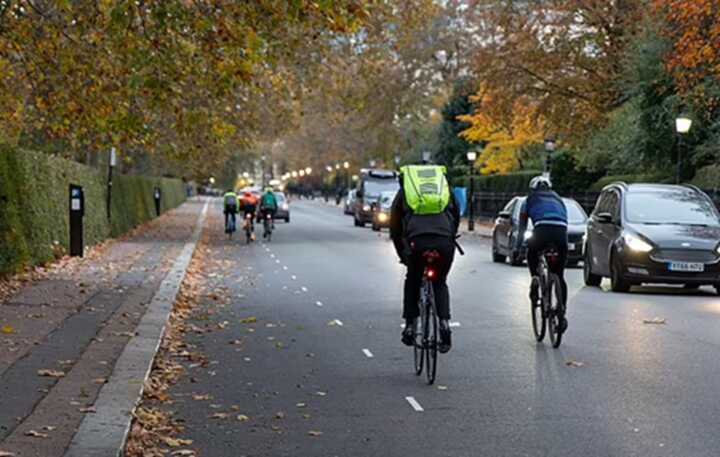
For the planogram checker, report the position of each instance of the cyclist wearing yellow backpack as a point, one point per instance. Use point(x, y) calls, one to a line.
point(425, 217)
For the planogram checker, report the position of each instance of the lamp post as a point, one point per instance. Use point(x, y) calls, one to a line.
point(346, 166)
point(472, 157)
point(111, 164)
point(550, 146)
point(397, 161)
point(682, 127)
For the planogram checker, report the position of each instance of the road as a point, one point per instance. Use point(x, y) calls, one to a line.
point(323, 373)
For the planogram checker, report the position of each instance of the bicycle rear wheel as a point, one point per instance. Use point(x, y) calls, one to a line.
point(431, 331)
point(539, 320)
point(554, 309)
point(420, 337)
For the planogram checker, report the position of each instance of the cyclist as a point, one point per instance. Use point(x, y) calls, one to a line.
point(249, 207)
point(424, 217)
point(269, 205)
point(550, 221)
point(230, 209)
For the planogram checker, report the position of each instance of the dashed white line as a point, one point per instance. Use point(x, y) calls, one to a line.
point(293, 277)
point(278, 262)
point(318, 303)
point(304, 289)
point(454, 324)
point(367, 353)
point(337, 322)
point(414, 403)
point(284, 267)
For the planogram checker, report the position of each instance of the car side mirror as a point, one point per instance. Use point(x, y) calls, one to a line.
point(605, 218)
point(504, 215)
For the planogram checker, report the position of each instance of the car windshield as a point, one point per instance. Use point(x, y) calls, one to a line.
point(280, 197)
point(670, 207)
point(375, 187)
point(576, 215)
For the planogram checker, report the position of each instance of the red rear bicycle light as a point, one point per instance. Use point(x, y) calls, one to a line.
point(431, 273)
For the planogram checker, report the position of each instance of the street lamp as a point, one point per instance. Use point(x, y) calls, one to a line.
point(682, 127)
point(472, 157)
point(301, 173)
point(308, 171)
point(372, 163)
point(550, 146)
point(294, 174)
point(397, 160)
point(346, 166)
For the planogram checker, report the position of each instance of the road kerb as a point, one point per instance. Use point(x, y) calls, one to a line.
point(103, 433)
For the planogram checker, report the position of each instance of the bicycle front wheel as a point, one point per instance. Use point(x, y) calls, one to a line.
point(554, 310)
point(539, 320)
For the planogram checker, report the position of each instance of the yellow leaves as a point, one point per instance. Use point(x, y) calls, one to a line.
point(51, 373)
point(7, 329)
point(503, 138)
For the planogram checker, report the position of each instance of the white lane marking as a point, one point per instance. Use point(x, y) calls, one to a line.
point(284, 267)
point(293, 277)
point(318, 303)
point(368, 353)
point(454, 324)
point(278, 262)
point(337, 322)
point(414, 403)
point(272, 256)
point(304, 289)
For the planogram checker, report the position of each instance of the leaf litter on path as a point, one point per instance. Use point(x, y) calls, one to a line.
point(574, 364)
point(654, 321)
point(51, 373)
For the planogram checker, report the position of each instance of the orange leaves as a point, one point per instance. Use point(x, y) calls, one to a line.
point(694, 28)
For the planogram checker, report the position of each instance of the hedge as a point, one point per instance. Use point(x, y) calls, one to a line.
point(707, 177)
point(517, 181)
point(34, 220)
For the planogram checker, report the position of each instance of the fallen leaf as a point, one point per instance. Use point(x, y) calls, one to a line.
point(220, 416)
point(222, 325)
point(176, 442)
point(442, 387)
point(130, 334)
point(655, 320)
point(49, 428)
point(6, 454)
point(242, 418)
point(301, 405)
point(36, 434)
point(88, 409)
point(280, 415)
point(574, 364)
point(314, 433)
point(320, 394)
point(51, 373)
point(99, 380)
point(184, 453)
point(7, 329)
point(248, 320)
point(201, 397)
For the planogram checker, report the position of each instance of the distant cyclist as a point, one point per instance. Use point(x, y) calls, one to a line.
point(550, 221)
point(249, 203)
point(230, 209)
point(425, 217)
point(269, 205)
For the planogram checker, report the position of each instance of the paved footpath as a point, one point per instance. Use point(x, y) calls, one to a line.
point(64, 334)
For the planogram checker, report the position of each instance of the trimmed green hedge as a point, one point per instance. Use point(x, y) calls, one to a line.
point(517, 181)
point(629, 179)
point(707, 177)
point(34, 201)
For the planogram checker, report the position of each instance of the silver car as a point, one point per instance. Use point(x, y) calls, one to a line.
point(283, 210)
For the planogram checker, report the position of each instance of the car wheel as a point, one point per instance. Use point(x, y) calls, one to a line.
point(516, 259)
point(357, 221)
point(717, 289)
point(617, 282)
point(375, 228)
point(591, 279)
point(287, 220)
point(497, 257)
point(691, 286)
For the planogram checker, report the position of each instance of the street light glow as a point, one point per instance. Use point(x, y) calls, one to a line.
point(346, 165)
point(683, 124)
point(294, 174)
point(328, 168)
point(337, 166)
point(550, 144)
point(301, 173)
point(472, 156)
point(308, 170)
point(246, 175)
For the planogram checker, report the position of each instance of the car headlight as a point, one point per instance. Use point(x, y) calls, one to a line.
point(382, 217)
point(285, 207)
point(636, 244)
point(718, 249)
point(366, 208)
point(528, 234)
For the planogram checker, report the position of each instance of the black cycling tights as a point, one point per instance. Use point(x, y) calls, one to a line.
point(546, 236)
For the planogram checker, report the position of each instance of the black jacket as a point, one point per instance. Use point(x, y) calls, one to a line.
point(404, 225)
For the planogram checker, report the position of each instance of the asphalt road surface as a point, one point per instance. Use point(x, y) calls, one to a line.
point(323, 373)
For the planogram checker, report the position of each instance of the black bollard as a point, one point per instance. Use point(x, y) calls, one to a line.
point(77, 212)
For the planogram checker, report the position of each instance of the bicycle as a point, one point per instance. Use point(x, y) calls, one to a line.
point(249, 228)
point(425, 349)
point(267, 227)
point(230, 225)
point(550, 308)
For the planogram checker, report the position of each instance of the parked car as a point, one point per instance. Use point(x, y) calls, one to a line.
point(507, 226)
point(653, 233)
point(382, 209)
point(349, 202)
point(283, 210)
point(370, 185)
